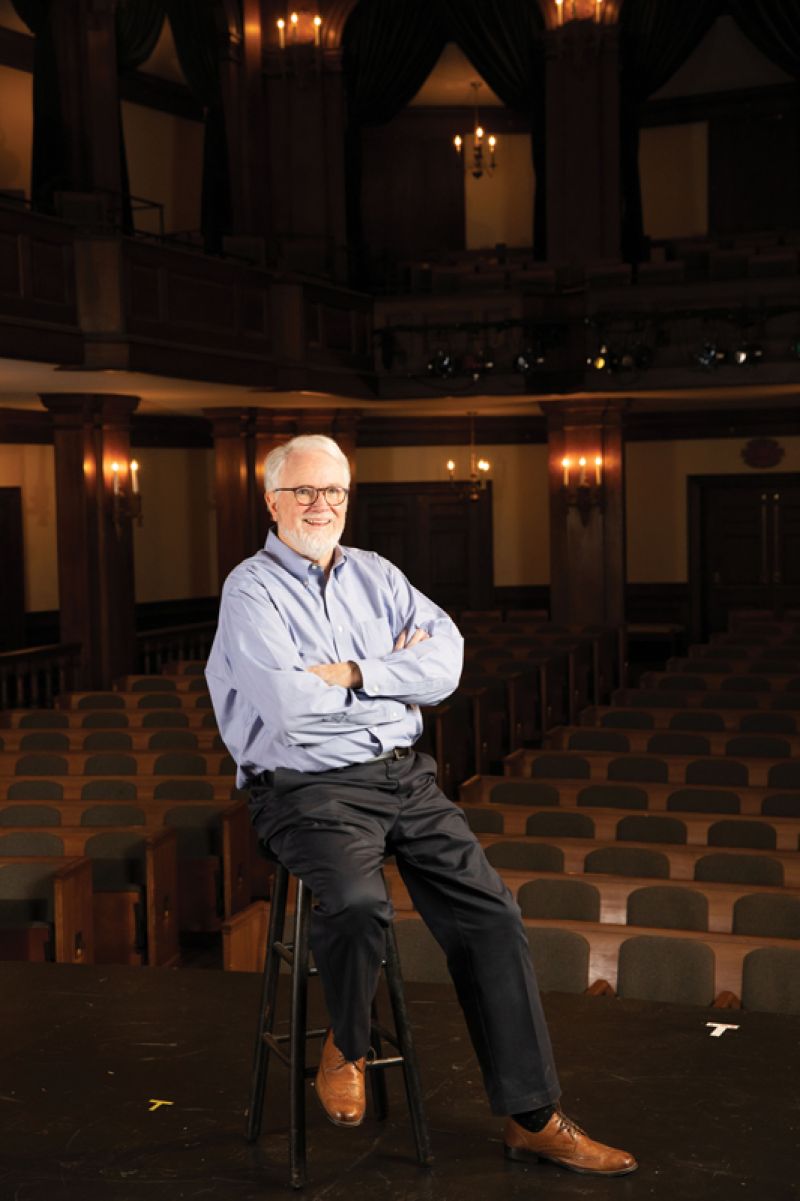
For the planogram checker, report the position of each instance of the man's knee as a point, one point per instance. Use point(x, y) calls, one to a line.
point(355, 904)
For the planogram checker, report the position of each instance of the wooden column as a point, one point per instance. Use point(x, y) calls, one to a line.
point(85, 40)
point(304, 100)
point(95, 544)
point(583, 187)
point(587, 521)
point(242, 440)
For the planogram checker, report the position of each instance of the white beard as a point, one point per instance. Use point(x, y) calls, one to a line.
point(314, 545)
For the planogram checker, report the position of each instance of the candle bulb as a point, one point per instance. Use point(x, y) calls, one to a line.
point(560, 11)
point(598, 470)
point(451, 466)
point(598, 6)
point(293, 19)
point(492, 145)
point(115, 477)
point(582, 465)
point(281, 33)
point(457, 143)
point(565, 465)
point(134, 478)
point(317, 25)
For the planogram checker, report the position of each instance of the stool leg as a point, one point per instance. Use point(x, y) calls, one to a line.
point(377, 1078)
point(266, 1016)
point(297, 1041)
point(402, 1026)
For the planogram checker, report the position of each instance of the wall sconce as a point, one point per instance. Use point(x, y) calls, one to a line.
point(303, 30)
point(479, 468)
point(579, 10)
point(126, 503)
point(582, 487)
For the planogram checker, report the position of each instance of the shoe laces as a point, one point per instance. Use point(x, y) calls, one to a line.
point(567, 1126)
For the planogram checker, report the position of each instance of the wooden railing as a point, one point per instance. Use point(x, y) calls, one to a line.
point(32, 678)
point(155, 648)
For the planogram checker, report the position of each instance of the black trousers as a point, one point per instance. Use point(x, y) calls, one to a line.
point(333, 830)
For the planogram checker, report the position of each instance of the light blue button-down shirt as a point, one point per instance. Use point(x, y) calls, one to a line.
point(279, 616)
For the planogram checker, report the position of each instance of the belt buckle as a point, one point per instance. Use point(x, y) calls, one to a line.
point(399, 752)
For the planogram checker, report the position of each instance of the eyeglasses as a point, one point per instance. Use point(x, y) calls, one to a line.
point(305, 495)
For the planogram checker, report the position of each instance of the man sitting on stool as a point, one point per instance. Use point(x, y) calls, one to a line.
point(322, 658)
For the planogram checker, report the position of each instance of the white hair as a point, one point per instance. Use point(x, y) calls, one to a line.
point(275, 461)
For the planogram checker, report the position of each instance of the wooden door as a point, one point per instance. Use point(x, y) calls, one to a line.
point(744, 546)
point(435, 534)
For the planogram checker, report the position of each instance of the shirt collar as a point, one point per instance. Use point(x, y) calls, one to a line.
point(295, 564)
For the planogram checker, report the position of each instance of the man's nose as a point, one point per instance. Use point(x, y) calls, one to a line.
point(319, 503)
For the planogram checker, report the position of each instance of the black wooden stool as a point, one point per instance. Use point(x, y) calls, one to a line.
point(296, 955)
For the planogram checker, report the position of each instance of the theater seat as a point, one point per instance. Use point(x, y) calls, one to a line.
point(526, 856)
point(561, 959)
point(524, 792)
point(703, 800)
point(560, 767)
point(30, 815)
point(30, 842)
point(731, 868)
point(656, 968)
point(112, 815)
point(612, 796)
point(668, 906)
point(641, 827)
point(570, 900)
point(484, 821)
point(755, 834)
point(560, 825)
point(771, 980)
point(767, 915)
point(627, 861)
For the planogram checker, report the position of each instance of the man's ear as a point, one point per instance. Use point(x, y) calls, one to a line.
point(271, 506)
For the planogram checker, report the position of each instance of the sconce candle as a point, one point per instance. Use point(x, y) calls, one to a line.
point(598, 470)
point(115, 478)
point(565, 464)
point(597, 8)
point(281, 32)
point(317, 24)
point(134, 478)
point(582, 465)
point(293, 19)
point(560, 11)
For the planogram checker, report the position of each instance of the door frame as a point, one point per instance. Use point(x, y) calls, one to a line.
point(697, 487)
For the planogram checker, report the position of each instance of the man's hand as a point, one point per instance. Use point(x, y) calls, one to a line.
point(347, 675)
point(405, 643)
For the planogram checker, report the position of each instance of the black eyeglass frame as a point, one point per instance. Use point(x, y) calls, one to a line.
point(308, 488)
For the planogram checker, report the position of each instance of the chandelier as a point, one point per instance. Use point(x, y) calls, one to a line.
point(479, 468)
point(484, 146)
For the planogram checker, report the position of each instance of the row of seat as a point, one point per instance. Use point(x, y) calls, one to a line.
point(167, 738)
point(674, 769)
point(107, 719)
point(777, 833)
point(492, 791)
point(669, 695)
point(660, 717)
point(116, 763)
point(722, 908)
point(696, 968)
point(674, 742)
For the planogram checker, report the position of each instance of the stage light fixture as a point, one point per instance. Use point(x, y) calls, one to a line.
point(442, 364)
point(748, 354)
point(711, 355)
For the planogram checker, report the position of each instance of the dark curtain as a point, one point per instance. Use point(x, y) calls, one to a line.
point(503, 41)
point(656, 36)
point(773, 26)
point(50, 172)
point(388, 53)
point(197, 39)
point(138, 26)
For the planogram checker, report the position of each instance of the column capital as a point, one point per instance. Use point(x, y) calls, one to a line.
point(110, 409)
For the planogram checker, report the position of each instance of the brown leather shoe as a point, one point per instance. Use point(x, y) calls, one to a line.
point(340, 1085)
point(564, 1143)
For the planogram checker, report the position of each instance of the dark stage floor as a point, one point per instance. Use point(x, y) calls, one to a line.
point(86, 1053)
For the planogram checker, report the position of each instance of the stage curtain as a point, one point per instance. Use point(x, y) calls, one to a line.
point(503, 41)
point(773, 26)
point(196, 32)
point(50, 171)
point(656, 36)
point(138, 27)
point(389, 50)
